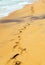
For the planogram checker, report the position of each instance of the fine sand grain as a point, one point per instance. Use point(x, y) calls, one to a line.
point(22, 36)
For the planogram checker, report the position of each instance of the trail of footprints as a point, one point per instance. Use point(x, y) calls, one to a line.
point(17, 43)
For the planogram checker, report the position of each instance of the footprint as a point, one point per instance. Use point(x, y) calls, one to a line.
point(20, 31)
point(14, 56)
point(17, 42)
point(24, 27)
point(15, 46)
point(18, 63)
point(22, 49)
point(18, 36)
point(28, 23)
point(12, 59)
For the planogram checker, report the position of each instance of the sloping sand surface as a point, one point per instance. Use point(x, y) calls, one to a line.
point(22, 36)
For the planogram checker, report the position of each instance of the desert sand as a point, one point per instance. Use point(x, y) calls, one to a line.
point(22, 36)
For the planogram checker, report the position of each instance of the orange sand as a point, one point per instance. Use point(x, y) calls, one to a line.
point(26, 38)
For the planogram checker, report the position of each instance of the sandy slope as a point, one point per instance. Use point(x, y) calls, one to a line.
point(37, 8)
point(23, 43)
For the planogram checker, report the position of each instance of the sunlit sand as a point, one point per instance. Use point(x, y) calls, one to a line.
point(22, 36)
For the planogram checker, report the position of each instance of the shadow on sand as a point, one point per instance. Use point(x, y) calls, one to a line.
point(10, 20)
point(19, 20)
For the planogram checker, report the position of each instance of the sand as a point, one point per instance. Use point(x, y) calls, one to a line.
point(22, 36)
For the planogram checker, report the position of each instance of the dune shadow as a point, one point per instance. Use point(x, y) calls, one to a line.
point(21, 20)
point(35, 17)
point(10, 20)
point(38, 17)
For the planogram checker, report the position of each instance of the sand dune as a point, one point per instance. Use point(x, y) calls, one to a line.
point(22, 36)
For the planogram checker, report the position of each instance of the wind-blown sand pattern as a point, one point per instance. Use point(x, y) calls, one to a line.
point(22, 36)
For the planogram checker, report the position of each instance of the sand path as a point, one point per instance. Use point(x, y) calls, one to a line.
point(23, 42)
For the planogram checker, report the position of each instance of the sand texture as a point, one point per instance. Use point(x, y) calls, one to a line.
point(22, 36)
